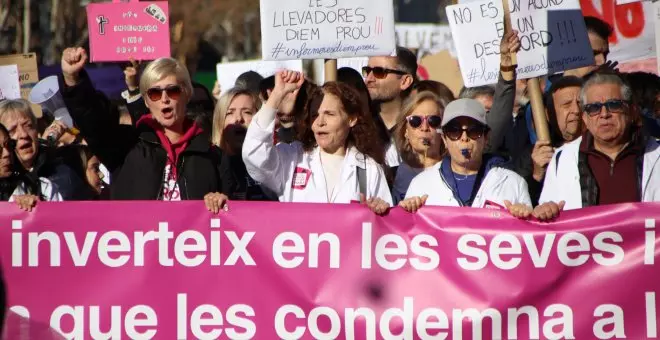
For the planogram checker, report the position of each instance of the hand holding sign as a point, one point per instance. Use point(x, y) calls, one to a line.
point(73, 61)
point(130, 75)
point(509, 46)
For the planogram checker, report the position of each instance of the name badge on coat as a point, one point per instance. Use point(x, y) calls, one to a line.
point(300, 178)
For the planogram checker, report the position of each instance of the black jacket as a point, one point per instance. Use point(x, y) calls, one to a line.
point(134, 155)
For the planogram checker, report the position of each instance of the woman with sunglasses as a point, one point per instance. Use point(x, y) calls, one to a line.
point(417, 137)
point(334, 159)
point(165, 156)
point(466, 176)
point(16, 185)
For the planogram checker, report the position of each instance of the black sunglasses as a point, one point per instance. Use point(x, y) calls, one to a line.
point(455, 133)
point(173, 92)
point(416, 121)
point(380, 72)
point(612, 106)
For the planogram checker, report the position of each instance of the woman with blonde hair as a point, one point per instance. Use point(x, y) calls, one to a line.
point(232, 115)
point(418, 139)
point(165, 155)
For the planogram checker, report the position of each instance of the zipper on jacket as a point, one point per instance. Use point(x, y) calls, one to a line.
point(453, 192)
point(612, 168)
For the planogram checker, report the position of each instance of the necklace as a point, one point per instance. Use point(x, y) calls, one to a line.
point(461, 179)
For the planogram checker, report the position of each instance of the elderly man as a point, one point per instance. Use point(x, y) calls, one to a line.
point(613, 161)
point(17, 117)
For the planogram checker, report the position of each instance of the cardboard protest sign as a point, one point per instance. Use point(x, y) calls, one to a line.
point(229, 72)
point(444, 68)
point(119, 31)
point(552, 33)
point(427, 38)
point(28, 74)
point(331, 29)
point(10, 88)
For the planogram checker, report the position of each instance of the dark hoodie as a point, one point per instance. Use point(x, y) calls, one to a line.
point(137, 156)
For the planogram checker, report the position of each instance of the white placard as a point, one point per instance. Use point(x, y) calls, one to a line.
point(625, 2)
point(354, 63)
point(553, 38)
point(228, 72)
point(656, 21)
point(427, 38)
point(10, 87)
point(330, 29)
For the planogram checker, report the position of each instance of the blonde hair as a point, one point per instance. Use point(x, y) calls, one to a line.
point(17, 105)
point(405, 149)
point(220, 113)
point(164, 67)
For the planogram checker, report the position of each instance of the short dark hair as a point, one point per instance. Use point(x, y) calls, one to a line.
point(556, 136)
point(266, 84)
point(250, 81)
point(406, 61)
point(598, 26)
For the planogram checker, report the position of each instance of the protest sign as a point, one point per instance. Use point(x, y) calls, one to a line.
point(552, 34)
point(633, 36)
point(330, 29)
point(442, 67)
point(321, 271)
point(228, 72)
point(10, 87)
point(119, 31)
point(426, 38)
point(28, 74)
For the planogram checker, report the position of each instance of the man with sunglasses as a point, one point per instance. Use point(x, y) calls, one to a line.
point(466, 176)
point(613, 161)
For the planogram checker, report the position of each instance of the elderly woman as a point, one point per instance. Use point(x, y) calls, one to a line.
point(418, 139)
point(15, 183)
point(466, 177)
point(231, 119)
point(38, 159)
point(165, 156)
point(335, 159)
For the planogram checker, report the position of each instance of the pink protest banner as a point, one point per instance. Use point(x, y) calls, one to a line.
point(137, 29)
point(314, 271)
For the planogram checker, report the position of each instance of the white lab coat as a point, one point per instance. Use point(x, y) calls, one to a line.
point(562, 180)
point(48, 191)
point(499, 185)
point(297, 176)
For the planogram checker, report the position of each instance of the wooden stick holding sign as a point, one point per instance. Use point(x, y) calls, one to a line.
point(330, 70)
point(533, 88)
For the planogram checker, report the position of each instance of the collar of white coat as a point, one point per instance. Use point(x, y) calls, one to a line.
point(651, 156)
point(353, 157)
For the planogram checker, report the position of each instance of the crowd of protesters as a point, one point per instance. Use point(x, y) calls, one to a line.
point(382, 138)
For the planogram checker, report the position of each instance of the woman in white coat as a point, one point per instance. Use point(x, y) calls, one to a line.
point(335, 159)
point(466, 176)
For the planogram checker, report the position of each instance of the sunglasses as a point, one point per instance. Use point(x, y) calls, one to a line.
point(612, 106)
point(156, 93)
point(456, 132)
point(380, 72)
point(416, 121)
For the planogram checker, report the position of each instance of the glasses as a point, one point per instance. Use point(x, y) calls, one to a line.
point(380, 72)
point(156, 93)
point(456, 132)
point(416, 121)
point(612, 106)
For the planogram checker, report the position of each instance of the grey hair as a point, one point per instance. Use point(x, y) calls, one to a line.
point(474, 92)
point(17, 105)
point(606, 78)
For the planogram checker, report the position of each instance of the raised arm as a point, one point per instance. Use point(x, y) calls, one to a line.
point(92, 112)
point(265, 162)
